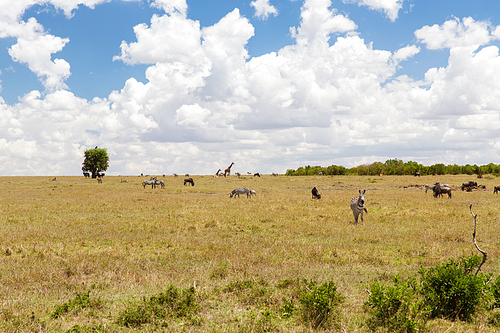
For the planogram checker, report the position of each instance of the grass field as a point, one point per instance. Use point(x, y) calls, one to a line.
point(76, 254)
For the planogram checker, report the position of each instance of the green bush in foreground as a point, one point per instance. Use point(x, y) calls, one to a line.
point(319, 303)
point(397, 308)
point(451, 290)
point(79, 302)
point(173, 303)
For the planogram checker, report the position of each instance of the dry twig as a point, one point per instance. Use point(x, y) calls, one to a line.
point(474, 238)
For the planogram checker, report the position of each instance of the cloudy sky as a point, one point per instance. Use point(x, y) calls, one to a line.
point(189, 86)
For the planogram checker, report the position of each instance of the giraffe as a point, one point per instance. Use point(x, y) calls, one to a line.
point(227, 172)
point(217, 173)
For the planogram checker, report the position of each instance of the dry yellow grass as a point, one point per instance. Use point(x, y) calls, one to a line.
point(123, 242)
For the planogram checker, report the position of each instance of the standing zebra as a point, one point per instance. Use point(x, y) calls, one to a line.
point(358, 206)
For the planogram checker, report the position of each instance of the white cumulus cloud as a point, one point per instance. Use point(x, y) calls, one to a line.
point(263, 9)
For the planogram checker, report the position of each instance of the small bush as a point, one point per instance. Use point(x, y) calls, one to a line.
point(396, 308)
point(319, 303)
point(495, 293)
point(173, 303)
point(76, 304)
point(452, 290)
point(287, 309)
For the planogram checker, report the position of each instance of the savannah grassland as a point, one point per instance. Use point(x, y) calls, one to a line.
point(119, 243)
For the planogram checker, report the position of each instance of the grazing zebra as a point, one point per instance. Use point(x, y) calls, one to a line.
point(159, 183)
point(358, 206)
point(245, 190)
point(176, 175)
point(252, 192)
point(238, 174)
point(149, 182)
point(315, 193)
point(275, 174)
point(189, 181)
point(496, 189)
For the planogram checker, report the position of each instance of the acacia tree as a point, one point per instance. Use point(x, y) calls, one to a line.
point(96, 161)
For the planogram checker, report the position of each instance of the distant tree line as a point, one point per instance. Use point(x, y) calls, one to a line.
point(398, 167)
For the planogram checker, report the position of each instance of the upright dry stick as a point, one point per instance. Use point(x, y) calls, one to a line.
point(474, 238)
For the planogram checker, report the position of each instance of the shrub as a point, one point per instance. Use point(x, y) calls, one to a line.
point(452, 290)
point(397, 308)
point(79, 302)
point(173, 303)
point(495, 293)
point(319, 303)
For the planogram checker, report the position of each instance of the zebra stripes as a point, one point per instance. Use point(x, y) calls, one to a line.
point(358, 206)
point(244, 190)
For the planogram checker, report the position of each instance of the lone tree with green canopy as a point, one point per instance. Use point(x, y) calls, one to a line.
point(96, 161)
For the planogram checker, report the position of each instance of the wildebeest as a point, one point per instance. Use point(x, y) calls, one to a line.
point(496, 189)
point(244, 190)
point(256, 174)
point(189, 181)
point(431, 187)
point(99, 180)
point(315, 193)
point(439, 190)
point(358, 206)
point(469, 186)
point(416, 174)
point(86, 174)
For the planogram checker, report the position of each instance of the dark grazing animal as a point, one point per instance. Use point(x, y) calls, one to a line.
point(496, 189)
point(256, 174)
point(469, 186)
point(315, 193)
point(358, 206)
point(439, 190)
point(189, 181)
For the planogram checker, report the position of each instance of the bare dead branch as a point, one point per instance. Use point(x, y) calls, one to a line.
point(474, 238)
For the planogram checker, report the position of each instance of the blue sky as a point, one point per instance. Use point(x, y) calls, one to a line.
point(267, 84)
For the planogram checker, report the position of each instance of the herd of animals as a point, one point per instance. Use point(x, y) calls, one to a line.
point(357, 203)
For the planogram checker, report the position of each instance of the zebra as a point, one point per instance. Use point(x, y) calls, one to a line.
point(159, 183)
point(245, 190)
point(358, 206)
point(149, 182)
